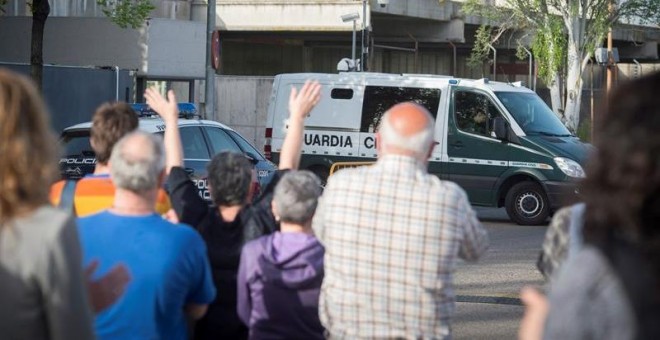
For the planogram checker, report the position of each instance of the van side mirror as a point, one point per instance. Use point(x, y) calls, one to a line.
point(503, 131)
point(500, 128)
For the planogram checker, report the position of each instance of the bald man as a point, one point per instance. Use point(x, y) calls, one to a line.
point(392, 234)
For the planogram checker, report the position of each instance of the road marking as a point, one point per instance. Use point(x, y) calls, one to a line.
point(503, 299)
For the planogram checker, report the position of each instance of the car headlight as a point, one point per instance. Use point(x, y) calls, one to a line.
point(569, 167)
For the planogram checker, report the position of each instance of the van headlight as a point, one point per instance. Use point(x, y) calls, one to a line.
point(569, 167)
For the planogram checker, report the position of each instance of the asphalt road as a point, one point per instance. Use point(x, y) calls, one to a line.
point(487, 291)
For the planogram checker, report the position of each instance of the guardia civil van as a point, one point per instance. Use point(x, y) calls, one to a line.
point(499, 141)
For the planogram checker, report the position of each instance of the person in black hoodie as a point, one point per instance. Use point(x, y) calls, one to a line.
point(280, 275)
point(231, 221)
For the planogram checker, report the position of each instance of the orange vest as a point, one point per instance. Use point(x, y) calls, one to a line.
point(96, 192)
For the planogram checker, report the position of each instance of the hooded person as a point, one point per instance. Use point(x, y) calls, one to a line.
point(280, 275)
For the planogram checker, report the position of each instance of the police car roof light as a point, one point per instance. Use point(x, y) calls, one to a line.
point(453, 81)
point(186, 110)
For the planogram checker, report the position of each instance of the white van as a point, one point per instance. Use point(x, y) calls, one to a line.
point(498, 141)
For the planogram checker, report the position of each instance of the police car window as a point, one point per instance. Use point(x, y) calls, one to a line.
point(474, 113)
point(220, 141)
point(378, 99)
point(77, 145)
point(246, 146)
point(194, 146)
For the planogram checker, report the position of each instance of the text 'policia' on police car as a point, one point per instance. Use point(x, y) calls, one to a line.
point(201, 140)
point(498, 141)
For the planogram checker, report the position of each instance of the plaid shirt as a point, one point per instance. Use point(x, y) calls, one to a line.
point(562, 239)
point(392, 234)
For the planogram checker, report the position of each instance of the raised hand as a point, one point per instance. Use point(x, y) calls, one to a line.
point(166, 108)
point(300, 104)
point(303, 101)
point(169, 111)
point(106, 290)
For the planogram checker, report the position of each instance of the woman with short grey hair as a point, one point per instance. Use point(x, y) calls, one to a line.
point(296, 197)
point(280, 275)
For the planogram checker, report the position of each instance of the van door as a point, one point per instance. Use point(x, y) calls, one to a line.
point(476, 158)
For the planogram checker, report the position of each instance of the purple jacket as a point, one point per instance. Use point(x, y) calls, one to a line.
point(279, 281)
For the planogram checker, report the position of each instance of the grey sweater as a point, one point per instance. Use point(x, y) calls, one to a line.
point(587, 301)
point(42, 287)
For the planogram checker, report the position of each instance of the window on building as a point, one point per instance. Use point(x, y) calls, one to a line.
point(474, 113)
point(183, 89)
point(378, 99)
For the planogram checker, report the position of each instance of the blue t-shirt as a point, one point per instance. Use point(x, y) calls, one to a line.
point(169, 269)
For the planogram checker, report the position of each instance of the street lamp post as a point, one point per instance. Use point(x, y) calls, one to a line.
point(352, 17)
point(363, 58)
point(209, 102)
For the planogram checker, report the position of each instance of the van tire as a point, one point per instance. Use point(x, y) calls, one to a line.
point(321, 172)
point(527, 204)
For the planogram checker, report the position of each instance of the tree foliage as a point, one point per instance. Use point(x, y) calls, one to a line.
point(480, 50)
point(564, 35)
point(126, 13)
point(548, 21)
point(549, 49)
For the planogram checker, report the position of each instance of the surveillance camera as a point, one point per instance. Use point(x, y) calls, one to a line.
point(350, 17)
point(383, 3)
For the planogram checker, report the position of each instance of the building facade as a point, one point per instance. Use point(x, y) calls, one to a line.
point(262, 38)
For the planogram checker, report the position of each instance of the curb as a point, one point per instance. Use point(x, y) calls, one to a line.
point(496, 300)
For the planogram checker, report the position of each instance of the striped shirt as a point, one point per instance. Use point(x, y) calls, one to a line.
point(96, 192)
point(392, 234)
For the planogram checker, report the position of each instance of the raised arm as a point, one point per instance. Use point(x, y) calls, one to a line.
point(168, 110)
point(300, 104)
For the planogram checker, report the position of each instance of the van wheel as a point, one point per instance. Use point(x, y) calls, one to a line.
point(527, 204)
point(322, 173)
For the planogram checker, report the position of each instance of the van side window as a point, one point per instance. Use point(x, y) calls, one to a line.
point(474, 113)
point(341, 94)
point(378, 99)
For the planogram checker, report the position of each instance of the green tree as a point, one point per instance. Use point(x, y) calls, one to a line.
point(564, 35)
point(124, 13)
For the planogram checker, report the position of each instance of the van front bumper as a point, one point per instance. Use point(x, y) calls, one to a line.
point(561, 194)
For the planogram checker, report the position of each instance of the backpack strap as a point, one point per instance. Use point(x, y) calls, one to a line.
point(67, 196)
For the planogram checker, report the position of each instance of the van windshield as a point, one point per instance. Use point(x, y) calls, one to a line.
point(532, 114)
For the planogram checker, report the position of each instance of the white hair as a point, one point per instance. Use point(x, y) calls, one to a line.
point(418, 143)
point(137, 161)
point(296, 196)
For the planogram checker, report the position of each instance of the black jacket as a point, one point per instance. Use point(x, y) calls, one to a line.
point(224, 241)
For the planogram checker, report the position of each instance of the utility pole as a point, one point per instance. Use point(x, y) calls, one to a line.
point(363, 59)
point(610, 54)
point(209, 105)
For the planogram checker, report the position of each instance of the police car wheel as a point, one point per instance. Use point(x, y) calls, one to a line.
point(527, 204)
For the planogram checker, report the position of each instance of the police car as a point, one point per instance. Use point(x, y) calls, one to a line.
point(201, 139)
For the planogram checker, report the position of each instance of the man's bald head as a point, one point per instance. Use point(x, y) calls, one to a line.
point(137, 162)
point(406, 128)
